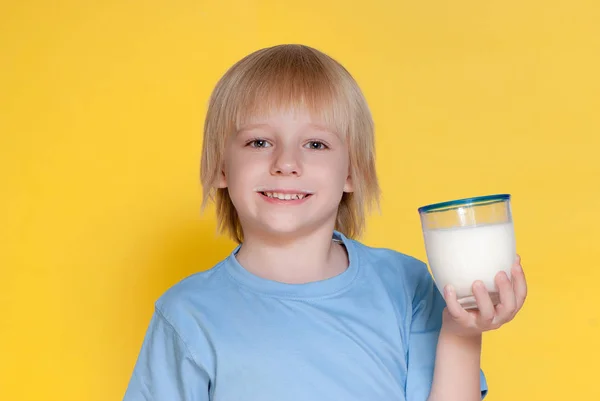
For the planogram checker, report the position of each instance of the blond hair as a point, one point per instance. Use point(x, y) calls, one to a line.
point(285, 77)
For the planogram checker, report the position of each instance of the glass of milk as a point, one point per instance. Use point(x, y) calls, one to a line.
point(468, 240)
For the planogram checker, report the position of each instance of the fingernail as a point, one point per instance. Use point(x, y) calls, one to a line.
point(448, 290)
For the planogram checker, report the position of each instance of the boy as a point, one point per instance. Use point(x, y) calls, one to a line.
point(300, 310)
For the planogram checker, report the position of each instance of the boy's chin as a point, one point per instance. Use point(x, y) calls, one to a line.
point(286, 230)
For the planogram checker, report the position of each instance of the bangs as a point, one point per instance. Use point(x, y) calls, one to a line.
point(297, 80)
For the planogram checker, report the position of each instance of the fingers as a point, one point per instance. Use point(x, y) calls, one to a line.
point(486, 314)
point(511, 293)
point(519, 283)
point(455, 309)
point(507, 307)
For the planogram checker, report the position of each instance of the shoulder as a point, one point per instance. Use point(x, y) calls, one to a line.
point(193, 294)
point(182, 318)
point(386, 260)
point(395, 268)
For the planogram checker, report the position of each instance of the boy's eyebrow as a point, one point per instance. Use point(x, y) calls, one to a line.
point(323, 128)
point(248, 127)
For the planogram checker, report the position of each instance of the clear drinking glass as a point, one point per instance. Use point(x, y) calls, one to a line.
point(467, 240)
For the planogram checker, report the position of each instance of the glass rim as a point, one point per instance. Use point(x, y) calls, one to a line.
point(453, 204)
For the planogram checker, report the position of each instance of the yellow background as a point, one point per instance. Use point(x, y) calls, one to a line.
point(101, 109)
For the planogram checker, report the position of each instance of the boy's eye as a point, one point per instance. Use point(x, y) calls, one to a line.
point(316, 145)
point(258, 143)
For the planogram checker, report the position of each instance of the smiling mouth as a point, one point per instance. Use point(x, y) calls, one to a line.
point(286, 196)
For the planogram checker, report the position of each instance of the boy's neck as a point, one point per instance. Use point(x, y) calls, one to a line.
point(295, 260)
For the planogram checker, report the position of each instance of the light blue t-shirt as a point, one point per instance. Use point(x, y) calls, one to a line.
point(225, 334)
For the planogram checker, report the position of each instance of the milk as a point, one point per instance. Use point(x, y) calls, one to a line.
point(462, 255)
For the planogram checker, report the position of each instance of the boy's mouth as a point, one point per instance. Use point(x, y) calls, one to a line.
point(285, 196)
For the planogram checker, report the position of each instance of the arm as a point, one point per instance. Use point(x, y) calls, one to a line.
point(166, 369)
point(439, 362)
point(457, 364)
point(457, 368)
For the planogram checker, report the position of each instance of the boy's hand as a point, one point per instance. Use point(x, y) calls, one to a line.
point(461, 322)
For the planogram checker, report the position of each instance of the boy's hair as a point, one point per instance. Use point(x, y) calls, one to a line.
point(286, 77)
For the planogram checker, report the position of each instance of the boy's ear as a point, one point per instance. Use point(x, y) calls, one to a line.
point(221, 180)
point(349, 186)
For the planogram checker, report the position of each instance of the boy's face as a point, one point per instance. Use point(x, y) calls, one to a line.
point(285, 174)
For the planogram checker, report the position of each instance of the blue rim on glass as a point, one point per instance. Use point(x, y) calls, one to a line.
point(479, 200)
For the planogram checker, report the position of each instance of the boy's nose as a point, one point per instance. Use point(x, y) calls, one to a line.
point(286, 163)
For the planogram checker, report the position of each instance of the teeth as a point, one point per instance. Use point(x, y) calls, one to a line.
point(284, 196)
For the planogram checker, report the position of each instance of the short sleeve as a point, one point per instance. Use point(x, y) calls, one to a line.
point(165, 369)
point(428, 306)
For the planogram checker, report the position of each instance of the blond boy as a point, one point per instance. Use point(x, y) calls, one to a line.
point(300, 310)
